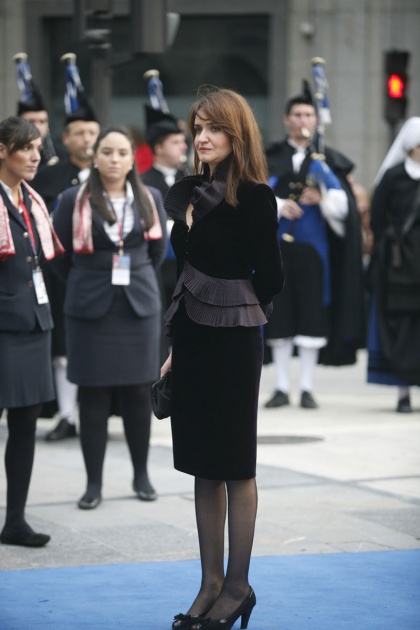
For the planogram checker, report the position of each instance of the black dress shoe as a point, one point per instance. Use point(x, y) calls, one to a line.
point(280, 399)
point(404, 405)
point(89, 501)
point(23, 536)
point(62, 431)
point(145, 492)
point(307, 401)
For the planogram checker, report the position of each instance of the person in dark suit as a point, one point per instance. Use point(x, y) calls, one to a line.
point(79, 136)
point(169, 147)
point(113, 230)
point(32, 107)
point(225, 241)
point(27, 239)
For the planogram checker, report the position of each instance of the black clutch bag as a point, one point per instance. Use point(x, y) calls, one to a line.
point(161, 397)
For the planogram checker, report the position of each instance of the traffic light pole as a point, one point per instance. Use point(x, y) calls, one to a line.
point(100, 46)
point(392, 134)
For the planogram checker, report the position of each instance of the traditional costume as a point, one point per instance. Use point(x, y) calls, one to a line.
point(321, 307)
point(31, 100)
point(394, 326)
point(51, 183)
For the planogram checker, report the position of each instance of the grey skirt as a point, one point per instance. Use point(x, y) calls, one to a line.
point(25, 368)
point(117, 349)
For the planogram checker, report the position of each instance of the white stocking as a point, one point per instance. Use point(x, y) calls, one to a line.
point(66, 391)
point(281, 353)
point(308, 361)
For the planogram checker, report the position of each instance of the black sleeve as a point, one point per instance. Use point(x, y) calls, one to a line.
point(62, 218)
point(261, 226)
point(379, 205)
point(157, 247)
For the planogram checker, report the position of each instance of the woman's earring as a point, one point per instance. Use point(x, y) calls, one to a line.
point(95, 165)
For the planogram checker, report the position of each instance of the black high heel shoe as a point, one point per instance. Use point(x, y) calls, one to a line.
point(244, 611)
point(186, 622)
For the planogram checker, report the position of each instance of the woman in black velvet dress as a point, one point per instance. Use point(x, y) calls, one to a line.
point(229, 262)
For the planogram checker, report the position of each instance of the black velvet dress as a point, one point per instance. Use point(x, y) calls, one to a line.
point(229, 266)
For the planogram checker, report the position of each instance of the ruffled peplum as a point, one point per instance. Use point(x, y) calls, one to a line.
point(216, 302)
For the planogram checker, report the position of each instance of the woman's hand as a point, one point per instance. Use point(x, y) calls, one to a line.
point(167, 366)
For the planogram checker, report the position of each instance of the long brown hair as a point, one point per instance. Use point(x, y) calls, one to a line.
point(230, 111)
point(95, 189)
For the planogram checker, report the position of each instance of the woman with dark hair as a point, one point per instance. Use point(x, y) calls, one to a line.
point(27, 239)
point(225, 241)
point(111, 227)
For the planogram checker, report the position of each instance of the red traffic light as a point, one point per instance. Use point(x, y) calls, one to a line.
point(396, 86)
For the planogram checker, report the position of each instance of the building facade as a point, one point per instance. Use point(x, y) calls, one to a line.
point(263, 49)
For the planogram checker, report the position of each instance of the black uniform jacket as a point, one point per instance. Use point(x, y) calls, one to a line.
point(51, 181)
point(89, 290)
point(347, 282)
point(154, 177)
point(19, 309)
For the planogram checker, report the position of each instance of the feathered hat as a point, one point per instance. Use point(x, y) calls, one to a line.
point(31, 99)
point(76, 103)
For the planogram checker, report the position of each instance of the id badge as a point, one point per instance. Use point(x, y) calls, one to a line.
point(39, 285)
point(121, 269)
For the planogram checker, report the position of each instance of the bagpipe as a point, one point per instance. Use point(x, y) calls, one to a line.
point(159, 110)
point(155, 89)
point(319, 174)
point(74, 90)
point(31, 100)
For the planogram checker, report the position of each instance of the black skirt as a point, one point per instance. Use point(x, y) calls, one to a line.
point(215, 384)
point(25, 368)
point(299, 309)
point(117, 349)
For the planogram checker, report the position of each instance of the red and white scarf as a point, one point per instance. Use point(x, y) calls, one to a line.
point(50, 242)
point(82, 223)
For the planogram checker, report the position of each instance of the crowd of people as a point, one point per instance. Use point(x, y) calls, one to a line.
point(241, 255)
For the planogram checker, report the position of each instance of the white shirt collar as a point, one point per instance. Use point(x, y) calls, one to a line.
point(297, 147)
point(129, 194)
point(8, 190)
point(165, 170)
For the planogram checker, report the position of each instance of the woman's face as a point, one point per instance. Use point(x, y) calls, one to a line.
point(114, 158)
point(211, 143)
point(21, 164)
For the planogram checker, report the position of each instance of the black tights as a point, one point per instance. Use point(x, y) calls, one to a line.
point(94, 410)
point(19, 459)
point(212, 499)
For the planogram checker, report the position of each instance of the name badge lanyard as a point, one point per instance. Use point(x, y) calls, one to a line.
point(37, 277)
point(121, 262)
point(121, 231)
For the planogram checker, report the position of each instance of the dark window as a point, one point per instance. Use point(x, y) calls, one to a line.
point(228, 51)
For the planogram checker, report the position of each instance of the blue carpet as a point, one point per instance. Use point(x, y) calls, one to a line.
point(364, 591)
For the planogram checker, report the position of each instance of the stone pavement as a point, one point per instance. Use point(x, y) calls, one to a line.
point(342, 478)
